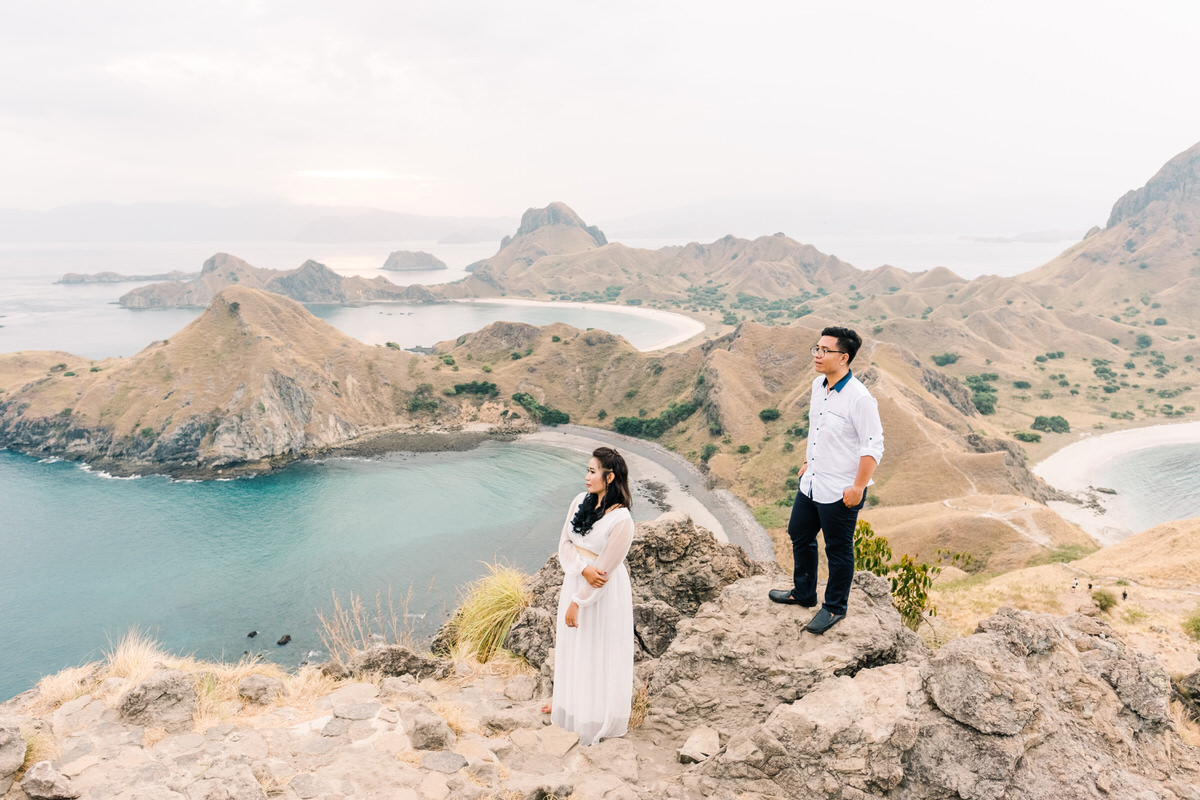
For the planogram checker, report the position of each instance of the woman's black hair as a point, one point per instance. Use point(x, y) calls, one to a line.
point(617, 493)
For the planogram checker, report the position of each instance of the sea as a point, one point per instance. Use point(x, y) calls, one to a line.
point(86, 557)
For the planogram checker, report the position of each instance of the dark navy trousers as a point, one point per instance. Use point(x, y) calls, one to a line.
point(837, 522)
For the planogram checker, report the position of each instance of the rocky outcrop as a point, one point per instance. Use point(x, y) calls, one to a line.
point(1176, 184)
point(1030, 706)
point(674, 567)
point(403, 260)
point(558, 214)
point(167, 700)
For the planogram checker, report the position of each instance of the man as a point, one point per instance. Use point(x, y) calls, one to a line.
point(845, 443)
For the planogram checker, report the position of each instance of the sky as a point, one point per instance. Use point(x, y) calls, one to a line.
point(1001, 116)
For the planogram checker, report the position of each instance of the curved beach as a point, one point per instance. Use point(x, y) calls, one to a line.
point(675, 482)
point(685, 327)
point(1075, 467)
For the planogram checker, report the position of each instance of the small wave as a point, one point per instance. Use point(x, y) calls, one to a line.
point(99, 473)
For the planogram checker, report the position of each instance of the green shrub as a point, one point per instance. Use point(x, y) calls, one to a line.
point(477, 387)
point(653, 427)
point(545, 415)
point(393, 345)
point(945, 358)
point(1022, 385)
point(1027, 436)
point(1104, 600)
point(708, 452)
point(743, 449)
point(769, 414)
point(1055, 424)
point(1191, 625)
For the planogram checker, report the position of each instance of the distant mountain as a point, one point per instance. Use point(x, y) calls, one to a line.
point(311, 282)
point(1144, 265)
point(163, 222)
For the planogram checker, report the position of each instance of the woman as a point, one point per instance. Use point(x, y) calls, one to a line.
point(593, 653)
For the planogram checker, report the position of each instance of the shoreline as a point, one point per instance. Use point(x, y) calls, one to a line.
point(689, 327)
point(1073, 469)
point(686, 487)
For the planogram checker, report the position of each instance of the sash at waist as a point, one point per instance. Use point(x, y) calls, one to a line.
point(583, 551)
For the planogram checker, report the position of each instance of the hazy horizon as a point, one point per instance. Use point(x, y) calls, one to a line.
point(877, 117)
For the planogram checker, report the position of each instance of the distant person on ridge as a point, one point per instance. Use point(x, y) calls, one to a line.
point(845, 443)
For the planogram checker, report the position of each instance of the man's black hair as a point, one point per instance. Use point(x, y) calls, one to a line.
point(848, 340)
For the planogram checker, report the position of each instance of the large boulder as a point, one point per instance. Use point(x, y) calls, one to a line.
point(674, 567)
point(395, 660)
point(742, 655)
point(167, 700)
point(12, 754)
point(1030, 706)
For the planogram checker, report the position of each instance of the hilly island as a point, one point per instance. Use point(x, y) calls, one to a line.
point(976, 381)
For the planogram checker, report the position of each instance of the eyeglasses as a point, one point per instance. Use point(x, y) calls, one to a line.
point(821, 352)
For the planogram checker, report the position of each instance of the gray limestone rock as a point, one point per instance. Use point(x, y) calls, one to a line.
point(741, 655)
point(426, 730)
point(12, 754)
point(674, 567)
point(394, 660)
point(702, 743)
point(44, 782)
point(261, 689)
point(443, 761)
point(655, 624)
point(167, 699)
point(227, 781)
point(521, 688)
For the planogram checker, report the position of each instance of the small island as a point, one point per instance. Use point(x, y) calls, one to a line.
point(412, 260)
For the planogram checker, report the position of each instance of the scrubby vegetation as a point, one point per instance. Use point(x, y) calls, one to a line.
point(911, 579)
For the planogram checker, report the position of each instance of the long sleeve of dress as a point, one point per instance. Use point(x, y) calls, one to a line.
point(572, 563)
point(615, 550)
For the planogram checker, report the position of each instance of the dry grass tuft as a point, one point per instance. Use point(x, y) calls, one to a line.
point(640, 707)
point(456, 717)
point(40, 745)
point(488, 609)
point(138, 655)
point(352, 629)
point(309, 684)
point(65, 686)
point(1188, 728)
point(152, 736)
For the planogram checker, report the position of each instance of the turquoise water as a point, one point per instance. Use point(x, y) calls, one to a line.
point(1154, 485)
point(199, 565)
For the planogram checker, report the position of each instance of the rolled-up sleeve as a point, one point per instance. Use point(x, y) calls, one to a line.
point(868, 427)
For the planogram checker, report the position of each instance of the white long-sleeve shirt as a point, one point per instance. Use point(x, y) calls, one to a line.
point(843, 426)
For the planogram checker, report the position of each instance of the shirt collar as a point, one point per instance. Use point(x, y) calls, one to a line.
point(837, 387)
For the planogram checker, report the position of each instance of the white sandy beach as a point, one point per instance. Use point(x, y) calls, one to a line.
point(684, 487)
point(1073, 469)
point(685, 326)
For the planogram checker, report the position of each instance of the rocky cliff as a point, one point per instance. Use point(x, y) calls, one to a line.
point(740, 703)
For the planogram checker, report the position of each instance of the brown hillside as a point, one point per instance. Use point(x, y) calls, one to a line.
point(1147, 254)
point(1165, 556)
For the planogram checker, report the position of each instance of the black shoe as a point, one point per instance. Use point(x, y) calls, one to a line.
point(786, 597)
point(823, 621)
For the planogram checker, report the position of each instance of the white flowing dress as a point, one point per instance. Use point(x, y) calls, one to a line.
point(593, 663)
